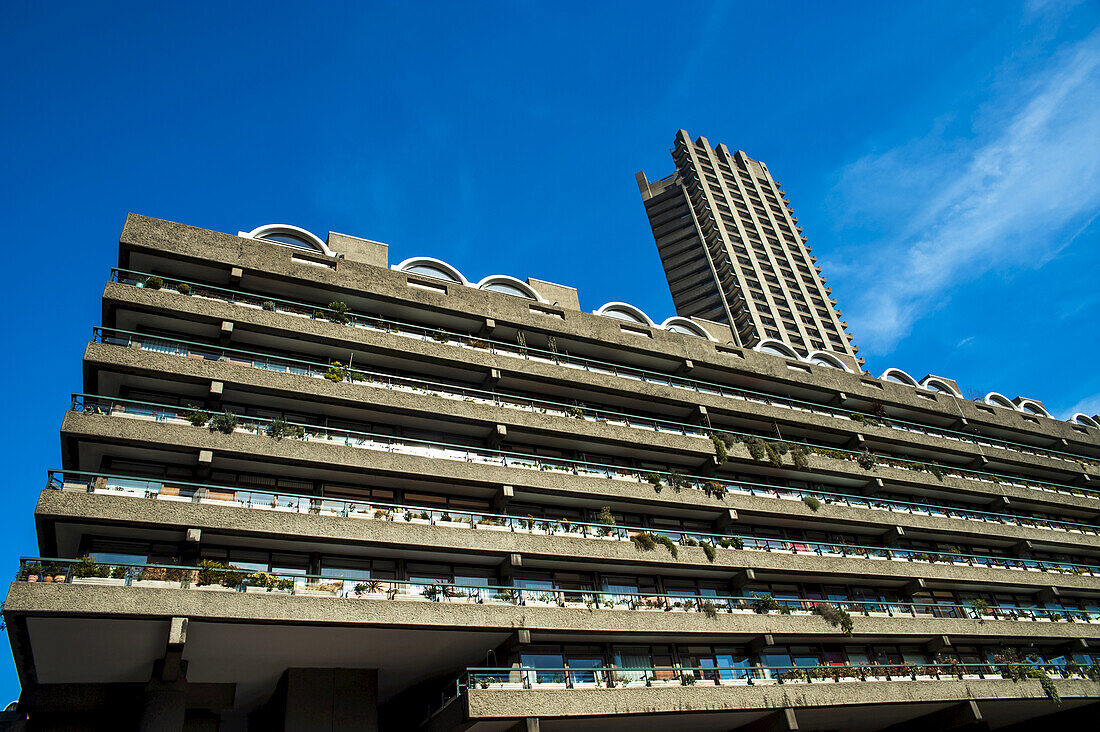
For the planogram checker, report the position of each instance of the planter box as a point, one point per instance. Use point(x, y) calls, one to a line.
point(99, 581)
point(212, 588)
point(157, 584)
point(453, 524)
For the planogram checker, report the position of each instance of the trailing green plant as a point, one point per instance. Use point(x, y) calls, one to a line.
point(835, 616)
point(280, 428)
point(720, 451)
point(644, 541)
point(197, 416)
point(709, 550)
point(338, 312)
point(800, 457)
point(670, 545)
point(812, 503)
point(183, 288)
point(866, 460)
point(225, 422)
point(154, 282)
point(755, 447)
point(268, 305)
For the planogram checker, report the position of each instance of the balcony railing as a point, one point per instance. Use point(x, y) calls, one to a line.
point(502, 348)
point(172, 490)
point(524, 677)
point(228, 578)
point(128, 408)
point(376, 379)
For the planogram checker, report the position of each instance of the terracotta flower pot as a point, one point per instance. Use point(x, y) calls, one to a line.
point(32, 577)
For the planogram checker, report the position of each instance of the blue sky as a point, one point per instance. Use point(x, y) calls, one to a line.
point(943, 157)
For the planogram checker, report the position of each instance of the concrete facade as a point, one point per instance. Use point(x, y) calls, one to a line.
point(303, 488)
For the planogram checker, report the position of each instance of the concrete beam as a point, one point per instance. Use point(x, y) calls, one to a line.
point(530, 724)
point(497, 435)
point(235, 274)
point(783, 720)
point(502, 498)
point(964, 714)
point(727, 518)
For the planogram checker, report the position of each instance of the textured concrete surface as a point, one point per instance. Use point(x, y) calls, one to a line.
point(319, 330)
point(150, 235)
point(40, 599)
point(77, 427)
point(500, 703)
point(213, 520)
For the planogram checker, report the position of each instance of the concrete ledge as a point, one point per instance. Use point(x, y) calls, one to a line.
point(78, 427)
point(189, 243)
point(317, 330)
point(213, 520)
point(75, 600)
point(503, 704)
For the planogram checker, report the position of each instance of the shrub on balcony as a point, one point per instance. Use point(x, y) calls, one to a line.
point(835, 616)
point(87, 567)
point(676, 481)
point(338, 312)
point(154, 282)
point(217, 573)
point(268, 305)
point(575, 412)
point(183, 288)
point(336, 372)
point(605, 517)
point(764, 604)
point(733, 542)
point(270, 582)
point(225, 422)
point(197, 416)
point(812, 503)
point(280, 428)
point(866, 460)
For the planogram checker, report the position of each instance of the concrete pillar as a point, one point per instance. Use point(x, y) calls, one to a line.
point(329, 700)
point(164, 704)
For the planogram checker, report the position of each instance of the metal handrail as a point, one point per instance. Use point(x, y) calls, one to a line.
point(230, 577)
point(117, 275)
point(409, 513)
point(93, 403)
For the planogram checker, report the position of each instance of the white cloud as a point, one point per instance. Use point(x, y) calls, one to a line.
point(1012, 194)
point(1088, 406)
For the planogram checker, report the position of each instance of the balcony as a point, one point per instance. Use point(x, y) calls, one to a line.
point(501, 348)
point(374, 511)
point(710, 486)
point(846, 616)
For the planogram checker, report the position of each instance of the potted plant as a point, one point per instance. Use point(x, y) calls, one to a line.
point(31, 571)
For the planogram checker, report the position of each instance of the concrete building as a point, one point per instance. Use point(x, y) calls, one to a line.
point(302, 488)
point(733, 252)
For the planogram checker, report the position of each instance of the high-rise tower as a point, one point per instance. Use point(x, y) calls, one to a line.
point(733, 251)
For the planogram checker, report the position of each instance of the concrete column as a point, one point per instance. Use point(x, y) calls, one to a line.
point(165, 701)
point(330, 700)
